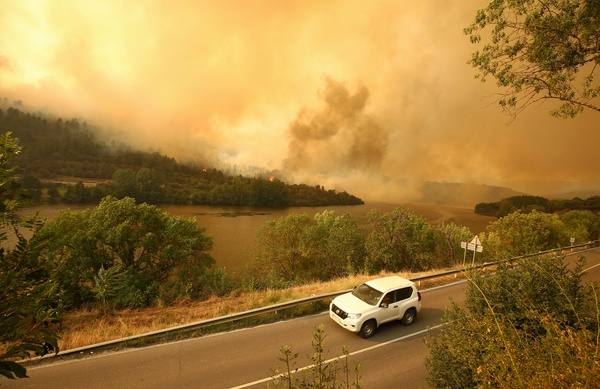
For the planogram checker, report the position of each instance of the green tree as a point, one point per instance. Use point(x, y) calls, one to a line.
point(30, 189)
point(522, 233)
point(296, 247)
point(76, 194)
point(534, 325)
point(540, 49)
point(148, 186)
point(281, 246)
point(582, 225)
point(340, 243)
point(448, 238)
point(124, 183)
point(28, 313)
point(147, 243)
point(53, 194)
point(399, 240)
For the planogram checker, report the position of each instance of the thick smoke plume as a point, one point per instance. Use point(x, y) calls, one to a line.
point(341, 136)
point(235, 83)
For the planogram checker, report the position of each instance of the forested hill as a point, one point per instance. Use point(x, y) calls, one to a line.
point(529, 203)
point(57, 150)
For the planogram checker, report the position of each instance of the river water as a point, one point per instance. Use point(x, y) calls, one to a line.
point(233, 229)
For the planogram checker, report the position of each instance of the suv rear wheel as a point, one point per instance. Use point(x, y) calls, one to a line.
point(368, 328)
point(409, 316)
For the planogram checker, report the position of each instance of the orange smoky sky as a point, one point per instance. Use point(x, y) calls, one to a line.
point(374, 97)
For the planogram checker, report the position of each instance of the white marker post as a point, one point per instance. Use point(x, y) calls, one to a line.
point(474, 245)
point(572, 240)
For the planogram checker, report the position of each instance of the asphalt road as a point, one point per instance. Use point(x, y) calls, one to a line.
point(393, 358)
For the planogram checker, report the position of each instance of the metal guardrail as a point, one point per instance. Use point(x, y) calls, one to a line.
point(116, 343)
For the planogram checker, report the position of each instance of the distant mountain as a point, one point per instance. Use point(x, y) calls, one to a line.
point(463, 194)
point(582, 194)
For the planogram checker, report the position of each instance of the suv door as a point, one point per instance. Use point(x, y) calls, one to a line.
point(393, 308)
point(404, 300)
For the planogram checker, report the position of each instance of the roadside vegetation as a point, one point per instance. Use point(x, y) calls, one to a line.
point(28, 308)
point(322, 373)
point(534, 325)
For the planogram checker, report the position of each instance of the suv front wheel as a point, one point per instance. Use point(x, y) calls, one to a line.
point(368, 329)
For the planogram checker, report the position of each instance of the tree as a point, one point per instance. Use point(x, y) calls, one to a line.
point(125, 183)
point(399, 240)
point(538, 50)
point(298, 248)
point(76, 194)
point(449, 236)
point(336, 245)
point(150, 246)
point(534, 325)
point(148, 185)
point(522, 233)
point(28, 313)
point(582, 225)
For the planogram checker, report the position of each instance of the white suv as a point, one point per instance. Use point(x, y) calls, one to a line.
point(375, 302)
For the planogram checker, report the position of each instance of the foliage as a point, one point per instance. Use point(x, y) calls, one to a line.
point(399, 240)
point(28, 313)
point(108, 283)
point(582, 225)
point(146, 243)
point(521, 233)
point(448, 238)
point(534, 325)
point(540, 50)
point(531, 203)
point(322, 374)
point(295, 247)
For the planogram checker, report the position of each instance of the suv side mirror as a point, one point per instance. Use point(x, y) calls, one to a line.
point(383, 305)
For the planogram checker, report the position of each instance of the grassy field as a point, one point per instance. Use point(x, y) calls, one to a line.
point(85, 327)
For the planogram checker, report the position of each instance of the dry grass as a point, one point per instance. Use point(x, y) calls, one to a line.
point(85, 327)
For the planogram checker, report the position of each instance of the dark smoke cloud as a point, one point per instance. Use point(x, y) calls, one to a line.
point(340, 136)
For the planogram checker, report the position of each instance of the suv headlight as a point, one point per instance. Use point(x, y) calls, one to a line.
point(353, 316)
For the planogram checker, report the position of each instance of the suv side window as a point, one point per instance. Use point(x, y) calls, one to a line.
point(404, 293)
point(388, 298)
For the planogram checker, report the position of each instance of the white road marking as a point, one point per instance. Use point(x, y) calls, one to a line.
point(103, 354)
point(376, 346)
point(590, 268)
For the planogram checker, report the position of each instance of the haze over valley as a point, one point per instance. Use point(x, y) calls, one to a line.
point(332, 94)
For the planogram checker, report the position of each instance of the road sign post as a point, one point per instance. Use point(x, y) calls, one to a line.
point(474, 245)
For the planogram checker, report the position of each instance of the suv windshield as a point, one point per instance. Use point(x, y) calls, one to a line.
point(367, 294)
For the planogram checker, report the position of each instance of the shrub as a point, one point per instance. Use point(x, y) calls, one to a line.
point(399, 240)
point(298, 248)
point(521, 233)
point(148, 245)
point(530, 326)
